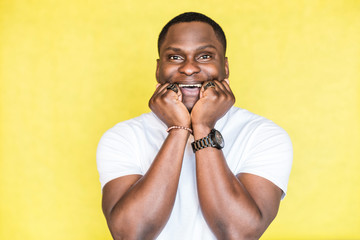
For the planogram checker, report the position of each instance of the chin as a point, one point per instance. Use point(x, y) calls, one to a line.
point(189, 106)
point(190, 103)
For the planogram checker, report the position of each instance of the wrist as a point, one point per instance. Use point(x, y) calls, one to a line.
point(179, 133)
point(179, 127)
point(213, 139)
point(200, 131)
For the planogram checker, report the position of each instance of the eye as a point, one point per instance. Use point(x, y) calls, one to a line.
point(174, 57)
point(205, 57)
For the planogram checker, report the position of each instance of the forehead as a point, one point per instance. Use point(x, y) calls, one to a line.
point(190, 34)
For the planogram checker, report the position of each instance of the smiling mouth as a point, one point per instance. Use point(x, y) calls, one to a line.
point(190, 85)
point(191, 91)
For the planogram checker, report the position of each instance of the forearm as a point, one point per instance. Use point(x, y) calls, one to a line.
point(144, 209)
point(227, 207)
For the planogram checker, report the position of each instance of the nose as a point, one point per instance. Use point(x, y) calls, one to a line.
point(189, 67)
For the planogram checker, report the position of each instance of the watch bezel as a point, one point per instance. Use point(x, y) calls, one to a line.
point(214, 140)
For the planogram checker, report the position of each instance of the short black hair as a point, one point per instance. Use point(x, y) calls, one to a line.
point(193, 17)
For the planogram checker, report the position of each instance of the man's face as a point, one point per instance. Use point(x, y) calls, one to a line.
point(190, 55)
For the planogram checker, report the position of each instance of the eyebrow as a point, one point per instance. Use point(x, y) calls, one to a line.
point(199, 48)
point(206, 46)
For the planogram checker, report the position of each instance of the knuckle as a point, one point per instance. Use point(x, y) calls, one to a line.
point(156, 101)
point(214, 97)
point(163, 98)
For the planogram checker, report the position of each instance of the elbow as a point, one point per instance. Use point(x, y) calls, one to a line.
point(255, 229)
point(130, 229)
point(121, 229)
point(252, 233)
point(116, 229)
point(119, 233)
point(246, 229)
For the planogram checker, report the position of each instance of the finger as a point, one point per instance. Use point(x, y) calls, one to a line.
point(208, 87)
point(163, 92)
point(223, 86)
point(226, 84)
point(163, 87)
point(160, 90)
point(209, 84)
point(179, 93)
point(172, 90)
point(220, 87)
point(226, 88)
point(173, 87)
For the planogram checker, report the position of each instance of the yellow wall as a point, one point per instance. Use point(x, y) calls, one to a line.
point(70, 70)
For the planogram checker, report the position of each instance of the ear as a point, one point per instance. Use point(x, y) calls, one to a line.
point(226, 68)
point(157, 70)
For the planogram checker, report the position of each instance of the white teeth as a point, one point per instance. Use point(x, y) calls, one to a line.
point(190, 85)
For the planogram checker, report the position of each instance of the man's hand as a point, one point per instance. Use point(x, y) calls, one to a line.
point(214, 102)
point(168, 106)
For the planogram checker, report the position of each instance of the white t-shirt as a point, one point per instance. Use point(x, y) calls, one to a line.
point(253, 145)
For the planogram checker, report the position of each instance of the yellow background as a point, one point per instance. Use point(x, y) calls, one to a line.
point(70, 70)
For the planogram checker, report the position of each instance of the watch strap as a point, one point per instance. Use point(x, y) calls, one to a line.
point(202, 143)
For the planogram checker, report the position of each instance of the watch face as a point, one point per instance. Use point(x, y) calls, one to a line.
point(219, 139)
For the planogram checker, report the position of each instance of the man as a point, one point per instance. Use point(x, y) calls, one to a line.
point(168, 175)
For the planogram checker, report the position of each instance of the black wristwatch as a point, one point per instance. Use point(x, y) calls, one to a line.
point(214, 139)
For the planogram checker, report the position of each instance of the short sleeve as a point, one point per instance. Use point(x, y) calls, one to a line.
point(270, 155)
point(116, 155)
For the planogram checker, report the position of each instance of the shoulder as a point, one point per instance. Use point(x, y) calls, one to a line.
point(126, 135)
point(135, 127)
point(238, 116)
point(241, 122)
point(121, 148)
